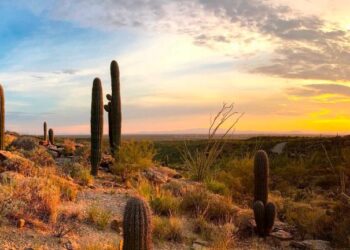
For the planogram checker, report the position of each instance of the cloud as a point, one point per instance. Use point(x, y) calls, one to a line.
point(305, 46)
point(311, 90)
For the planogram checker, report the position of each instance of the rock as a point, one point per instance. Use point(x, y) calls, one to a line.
point(282, 235)
point(44, 143)
point(21, 223)
point(116, 225)
point(201, 242)
point(155, 176)
point(70, 245)
point(12, 162)
point(107, 161)
point(311, 245)
point(196, 246)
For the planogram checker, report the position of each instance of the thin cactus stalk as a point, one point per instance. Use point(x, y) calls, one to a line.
point(51, 136)
point(96, 125)
point(137, 229)
point(45, 131)
point(2, 118)
point(261, 175)
point(114, 110)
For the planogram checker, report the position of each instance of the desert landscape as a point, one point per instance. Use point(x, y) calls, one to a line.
point(174, 125)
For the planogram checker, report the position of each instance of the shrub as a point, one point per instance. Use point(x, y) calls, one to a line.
point(199, 202)
point(68, 147)
point(132, 157)
point(308, 220)
point(40, 157)
point(168, 229)
point(25, 143)
point(78, 172)
point(217, 187)
point(35, 197)
point(165, 204)
point(68, 190)
point(98, 216)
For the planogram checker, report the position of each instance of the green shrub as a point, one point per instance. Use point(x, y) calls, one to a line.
point(199, 202)
point(98, 216)
point(165, 204)
point(168, 229)
point(132, 157)
point(217, 187)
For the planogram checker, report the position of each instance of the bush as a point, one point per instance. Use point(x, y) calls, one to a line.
point(199, 202)
point(308, 220)
point(34, 198)
point(98, 216)
point(168, 229)
point(25, 143)
point(132, 157)
point(217, 187)
point(68, 147)
point(165, 204)
point(78, 172)
point(40, 157)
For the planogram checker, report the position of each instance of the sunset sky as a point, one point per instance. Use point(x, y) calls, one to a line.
point(284, 63)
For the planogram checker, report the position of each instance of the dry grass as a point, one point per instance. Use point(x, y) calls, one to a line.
point(98, 216)
point(168, 229)
point(69, 147)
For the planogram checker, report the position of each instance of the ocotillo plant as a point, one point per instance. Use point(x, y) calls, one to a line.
point(137, 229)
point(114, 109)
point(51, 136)
point(96, 125)
point(264, 212)
point(2, 118)
point(45, 131)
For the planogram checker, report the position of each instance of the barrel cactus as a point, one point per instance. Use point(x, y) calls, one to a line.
point(114, 109)
point(45, 131)
point(137, 229)
point(51, 136)
point(96, 123)
point(264, 212)
point(2, 118)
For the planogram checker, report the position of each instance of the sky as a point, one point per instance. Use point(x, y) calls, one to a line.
point(285, 64)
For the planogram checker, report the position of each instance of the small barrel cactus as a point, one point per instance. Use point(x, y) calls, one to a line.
point(96, 125)
point(45, 131)
point(137, 228)
point(2, 118)
point(51, 136)
point(264, 212)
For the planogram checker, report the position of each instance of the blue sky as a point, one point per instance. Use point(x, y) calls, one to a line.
point(179, 61)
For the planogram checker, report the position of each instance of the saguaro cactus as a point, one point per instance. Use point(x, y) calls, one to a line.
point(45, 131)
point(261, 176)
point(264, 212)
point(51, 136)
point(96, 125)
point(2, 118)
point(114, 109)
point(137, 227)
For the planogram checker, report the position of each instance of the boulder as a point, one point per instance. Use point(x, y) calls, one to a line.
point(311, 245)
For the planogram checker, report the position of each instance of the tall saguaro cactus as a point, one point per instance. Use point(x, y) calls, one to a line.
point(96, 125)
point(114, 109)
point(51, 136)
point(264, 211)
point(137, 229)
point(45, 131)
point(2, 118)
